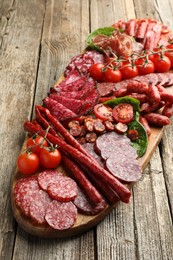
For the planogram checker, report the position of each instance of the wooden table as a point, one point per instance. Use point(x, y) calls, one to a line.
point(37, 40)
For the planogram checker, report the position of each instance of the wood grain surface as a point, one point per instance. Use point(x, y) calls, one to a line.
point(37, 39)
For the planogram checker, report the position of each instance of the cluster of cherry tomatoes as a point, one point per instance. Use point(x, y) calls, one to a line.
point(159, 60)
point(38, 153)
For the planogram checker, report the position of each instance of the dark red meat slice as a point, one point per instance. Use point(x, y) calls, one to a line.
point(85, 206)
point(150, 40)
point(157, 29)
point(162, 78)
point(64, 189)
point(124, 169)
point(58, 110)
point(105, 89)
point(89, 147)
point(47, 177)
point(130, 27)
point(74, 105)
point(61, 215)
point(91, 100)
point(74, 86)
point(38, 206)
point(25, 191)
point(71, 78)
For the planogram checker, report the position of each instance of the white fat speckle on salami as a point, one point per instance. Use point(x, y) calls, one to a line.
point(85, 206)
point(61, 215)
point(47, 177)
point(38, 206)
point(64, 189)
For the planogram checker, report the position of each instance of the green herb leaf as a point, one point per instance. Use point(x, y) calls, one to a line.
point(142, 142)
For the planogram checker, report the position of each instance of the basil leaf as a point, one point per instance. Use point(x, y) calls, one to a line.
point(101, 31)
point(142, 142)
point(133, 101)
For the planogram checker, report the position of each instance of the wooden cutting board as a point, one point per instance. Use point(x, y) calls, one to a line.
point(83, 222)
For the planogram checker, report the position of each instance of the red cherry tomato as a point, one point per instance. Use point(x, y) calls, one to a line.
point(144, 67)
point(50, 159)
point(113, 75)
point(154, 55)
point(103, 112)
point(169, 53)
point(35, 144)
point(96, 71)
point(123, 113)
point(113, 63)
point(28, 163)
point(162, 65)
point(128, 71)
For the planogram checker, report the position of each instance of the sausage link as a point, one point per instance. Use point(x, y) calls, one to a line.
point(109, 126)
point(75, 130)
point(141, 97)
point(137, 87)
point(91, 137)
point(157, 119)
point(121, 93)
point(122, 191)
point(93, 194)
point(99, 126)
point(153, 94)
point(145, 124)
point(89, 124)
point(168, 110)
point(165, 95)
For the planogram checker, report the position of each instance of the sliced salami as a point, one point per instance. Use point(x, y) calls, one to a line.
point(38, 206)
point(64, 189)
point(74, 86)
point(96, 56)
point(90, 149)
point(85, 206)
point(47, 177)
point(105, 89)
point(124, 168)
point(61, 215)
point(25, 191)
point(58, 110)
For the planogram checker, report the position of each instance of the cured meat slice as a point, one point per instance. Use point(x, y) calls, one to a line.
point(150, 41)
point(38, 206)
point(141, 30)
point(90, 149)
point(96, 56)
point(47, 177)
point(91, 100)
point(64, 189)
point(61, 215)
point(74, 105)
point(105, 88)
point(81, 62)
point(85, 206)
point(157, 30)
point(58, 110)
point(72, 77)
point(25, 191)
point(130, 27)
point(124, 169)
point(162, 78)
point(120, 157)
point(74, 86)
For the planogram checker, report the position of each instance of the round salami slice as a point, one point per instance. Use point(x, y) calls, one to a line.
point(61, 215)
point(25, 192)
point(47, 177)
point(124, 168)
point(38, 207)
point(64, 189)
point(85, 206)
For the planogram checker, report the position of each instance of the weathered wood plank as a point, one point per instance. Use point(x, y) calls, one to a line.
point(20, 32)
point(64, 30)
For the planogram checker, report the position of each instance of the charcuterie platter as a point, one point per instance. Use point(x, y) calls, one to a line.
point(96, 130)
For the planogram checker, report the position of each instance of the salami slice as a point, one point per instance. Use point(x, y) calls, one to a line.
point(85, 206)
point(61, 215)
point(105, 89)
point(124, 169)
point(64, 189)
point(38, 206)
point(47, 177)
point(25, 191)
point(58, 110)
point(96, 56)
point(90, 149)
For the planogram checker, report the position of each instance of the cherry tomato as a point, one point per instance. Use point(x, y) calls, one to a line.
point(153, 55)
point(103, 112)
point(123, 113)
point(113, 63)
point(162, 65)
point(113, 75)
point(35, 144)
point(128, 71)
point(170, 53)
point(96, 71)
point(144, 67)
point(49, 158)
point(28, 163)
